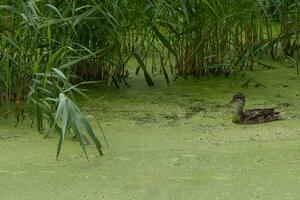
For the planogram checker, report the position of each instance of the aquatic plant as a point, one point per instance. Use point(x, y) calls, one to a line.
point(48, 46)
point(39, 51)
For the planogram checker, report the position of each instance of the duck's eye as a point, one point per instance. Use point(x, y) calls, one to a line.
point(239, 98)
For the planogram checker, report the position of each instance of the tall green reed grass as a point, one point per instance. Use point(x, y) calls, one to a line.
point(48, 47)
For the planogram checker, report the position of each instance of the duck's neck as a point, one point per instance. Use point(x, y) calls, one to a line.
point(240, 109)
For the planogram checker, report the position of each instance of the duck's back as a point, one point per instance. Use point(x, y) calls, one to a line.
point(255, 116)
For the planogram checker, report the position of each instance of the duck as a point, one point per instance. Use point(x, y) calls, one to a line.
point(251, 116)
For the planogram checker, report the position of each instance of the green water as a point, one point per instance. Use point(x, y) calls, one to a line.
point(166, 143)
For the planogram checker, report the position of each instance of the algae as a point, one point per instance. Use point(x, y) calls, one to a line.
point(167, 142)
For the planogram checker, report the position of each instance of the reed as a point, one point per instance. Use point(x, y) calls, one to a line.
point(48, 47)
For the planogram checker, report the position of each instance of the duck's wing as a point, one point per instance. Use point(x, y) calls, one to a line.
point(254, 116)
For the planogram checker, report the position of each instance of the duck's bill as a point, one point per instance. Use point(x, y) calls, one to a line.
point(230, 102)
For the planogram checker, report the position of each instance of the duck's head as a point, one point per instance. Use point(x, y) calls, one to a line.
point(239, 99)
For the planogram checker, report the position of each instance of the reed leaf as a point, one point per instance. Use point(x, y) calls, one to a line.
point(143, 66)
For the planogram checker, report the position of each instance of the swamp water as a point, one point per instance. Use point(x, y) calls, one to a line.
point(168, 142)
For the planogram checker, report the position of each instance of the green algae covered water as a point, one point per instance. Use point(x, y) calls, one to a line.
point(168, 142)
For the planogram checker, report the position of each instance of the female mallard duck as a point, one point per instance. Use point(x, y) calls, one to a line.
point(253, 116)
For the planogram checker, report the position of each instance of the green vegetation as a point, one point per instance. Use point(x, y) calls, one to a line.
point(50, 49)
point(167, 142)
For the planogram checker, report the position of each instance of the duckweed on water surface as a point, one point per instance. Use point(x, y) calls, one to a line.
point(175, 142)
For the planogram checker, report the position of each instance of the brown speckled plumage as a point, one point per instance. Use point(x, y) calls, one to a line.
point(252, 116)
